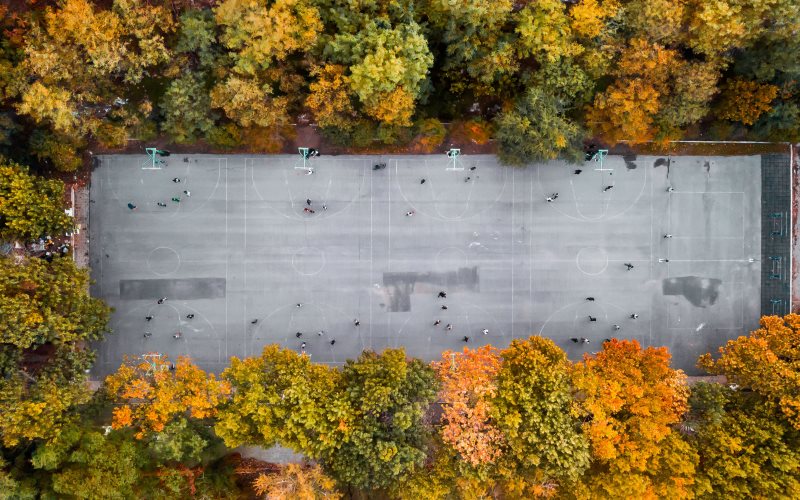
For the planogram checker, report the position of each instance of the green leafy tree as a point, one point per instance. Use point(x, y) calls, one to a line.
point(197, 36)
point(186, 107)
point(380, 401)
point(86, 464)
point(30, 206)
point(532, 409)
point(536, 129)
point(57, 149)
point(747, 448)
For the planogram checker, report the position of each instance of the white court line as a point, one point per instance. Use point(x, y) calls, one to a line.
point(513, 202)
point(227, 256)
point(371, 249)
point(651, 176)
point(244, 258)
point(532, 263)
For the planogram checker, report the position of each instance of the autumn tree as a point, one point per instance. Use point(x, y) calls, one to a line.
point(296, 481)
point(532, 405)
point(766, 363)
point(744, 101)
point(38, 401)
point(279, 397)
point(388, 67)
point(44, 302)
point(330, 98)
point(80, 60)
point(630, 400)
point(467, 385)
point(536, 129)
point(30, 206)
point(150, 394)
point(258, 33)
point(249, 102)
point(747, 447)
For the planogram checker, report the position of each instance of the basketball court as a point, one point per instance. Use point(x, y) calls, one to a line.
point(240, 253)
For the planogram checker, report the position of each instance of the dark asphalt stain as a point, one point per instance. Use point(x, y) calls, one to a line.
point(400, 286)
point(630, 160)
point(700, 292)
point(661, 162)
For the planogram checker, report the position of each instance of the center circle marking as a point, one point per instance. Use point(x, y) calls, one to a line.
point(592, 260)
point(163, 261)
point(308, 261)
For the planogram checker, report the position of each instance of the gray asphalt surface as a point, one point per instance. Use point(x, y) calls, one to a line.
point(241, 248)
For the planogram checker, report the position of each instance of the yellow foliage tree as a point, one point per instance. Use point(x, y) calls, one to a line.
point(249, 102)
point(744, 101)
point(589, 16)
point(150, 395)
point(329, 97)
point(297, 482)
point(765, 362)
point(625, 111)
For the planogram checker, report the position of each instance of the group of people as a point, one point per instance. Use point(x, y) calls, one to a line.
point(449, 326)
point(177, 335)
point(592, 319)
point(175, 199)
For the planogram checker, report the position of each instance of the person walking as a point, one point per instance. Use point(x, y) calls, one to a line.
point(590, 299)
point(422, 181)
point(667, 235)
point(442, 294)
point(148, 317)
point(308, 202)
point(356, 322)
point(617, 327)
point(187, 193)
point(160, 204)
point(437, 322)
point(147, 334)
point(549, 199)
point(629, 266)
point(161, 300)
point(303, 345)
point(320, 333)
point(298, 334)
point(592, 318)
point(607, 188)
point(575, 339)
point(584, 340)
point(333, 341)
point(190, 316)
point(254, 321)
point(444, 308)
point(175, 180)
point(449, 327)
point(577, 171)
point(131, 206)
point(176, 199)
point(486, 331)
point(634, 316)
point(177, 335)
point(410, 213)
point(465, 339)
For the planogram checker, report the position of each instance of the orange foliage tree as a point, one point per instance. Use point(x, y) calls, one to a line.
point(150, 394)
point(744, 101)
point(767, 362)
point(630, 398)
point(468, 383)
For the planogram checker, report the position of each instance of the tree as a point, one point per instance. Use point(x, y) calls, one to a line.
point(545, 33)
point(150, 394)
point(57, 149)
point(43, 302)
point(589, 17)
point(86, 464)
point(467, 387)
point(295, 481)
point(744, 101)
point(330, 97)
point(747, 447)
point(659, 21)
point(532, 409)
point(249, 102)
point(379, 401)
point(258, 32)
point(537, 130)
point(387, 68)
point(765, 362)
point(37, 401)
point(279, 397)
point(630, 400)
point(717, 26)
point(186, 107)
point(30, 206)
